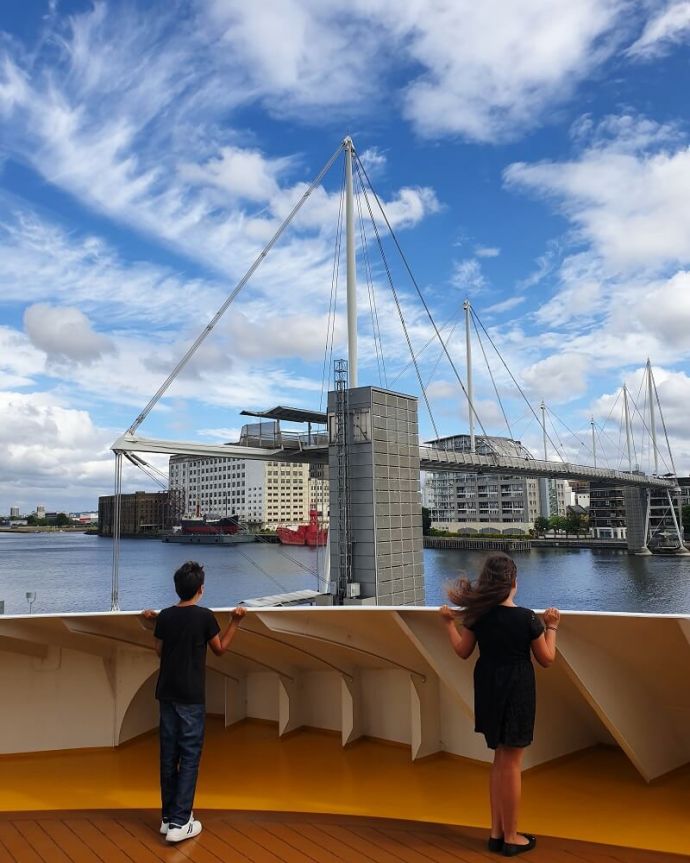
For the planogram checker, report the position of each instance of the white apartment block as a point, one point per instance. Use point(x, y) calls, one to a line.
point(484, 503)
point(260, 492)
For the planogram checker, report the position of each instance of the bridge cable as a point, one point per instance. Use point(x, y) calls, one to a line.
point(375, 324)
point(512, 376)
point(663, 422)
point(440, 354)
point(561, 451)
point(231, 297)
point(315, 572)
point(431, 341)
point(358, 165)
point(574, 435)
point(488, 366)
point(603, 431)
point(419, 293)
point(333, 300)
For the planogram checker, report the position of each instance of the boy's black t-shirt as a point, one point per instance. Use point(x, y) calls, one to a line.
point(185, 631)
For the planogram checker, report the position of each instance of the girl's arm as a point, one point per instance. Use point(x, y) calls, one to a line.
point(462, 642)
point(544, 647)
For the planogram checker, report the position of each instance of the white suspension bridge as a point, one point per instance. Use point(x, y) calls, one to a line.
point(334, 447)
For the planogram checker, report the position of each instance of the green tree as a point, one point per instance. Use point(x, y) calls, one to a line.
point(557, 523)
point(426, 520)
point(541, 525)
point(575, 523)
point(62, 520)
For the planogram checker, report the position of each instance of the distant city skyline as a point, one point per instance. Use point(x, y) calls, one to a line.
point(533, 155)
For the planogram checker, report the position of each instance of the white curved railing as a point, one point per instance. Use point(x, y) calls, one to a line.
point(86, 680)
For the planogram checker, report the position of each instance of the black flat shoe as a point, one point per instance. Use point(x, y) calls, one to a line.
point(511, 850)
point(495, 845)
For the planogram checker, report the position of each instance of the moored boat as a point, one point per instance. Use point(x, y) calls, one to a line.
point(304, 534)
point(204, 525)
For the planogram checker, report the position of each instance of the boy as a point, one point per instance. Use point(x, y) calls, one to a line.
point(182, 633)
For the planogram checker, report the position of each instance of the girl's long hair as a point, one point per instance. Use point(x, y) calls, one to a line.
point(493, 586)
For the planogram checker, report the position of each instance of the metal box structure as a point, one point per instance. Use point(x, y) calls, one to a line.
point(375, 497)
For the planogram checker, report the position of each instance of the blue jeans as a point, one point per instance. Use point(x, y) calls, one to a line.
point(181, 739)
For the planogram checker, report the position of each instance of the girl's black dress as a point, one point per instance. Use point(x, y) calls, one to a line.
point(504, 689)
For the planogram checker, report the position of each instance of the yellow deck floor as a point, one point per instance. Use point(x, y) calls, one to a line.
point(595, 795)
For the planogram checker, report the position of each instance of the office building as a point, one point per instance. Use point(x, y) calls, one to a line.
point(262, 493)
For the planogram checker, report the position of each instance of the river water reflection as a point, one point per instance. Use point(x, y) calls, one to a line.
point(72, 572)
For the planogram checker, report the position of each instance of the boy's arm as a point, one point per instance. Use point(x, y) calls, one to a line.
point(148, 621)
point(219, 644)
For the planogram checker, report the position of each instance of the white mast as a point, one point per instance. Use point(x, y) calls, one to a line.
point(627, 426)
point(594, 443)
point(652, 418)
point(468, 342)
point(351, 267)
point(543, 428)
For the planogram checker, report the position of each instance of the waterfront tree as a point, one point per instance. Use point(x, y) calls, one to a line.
point(541, 525)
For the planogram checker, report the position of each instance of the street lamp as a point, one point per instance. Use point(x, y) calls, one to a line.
point(31, 598)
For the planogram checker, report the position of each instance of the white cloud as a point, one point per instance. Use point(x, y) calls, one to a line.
point(240, 173)
point(559, 377)
point(20, 362)
point(226, 435)
point(669, 27)
point(64, 334)
point(468, 276)
point(581, 293)
point(665, 311)
point(487, 251)
point(505, 305)
point(40, 258)
point(629, 204)
point(492, 68)
point(482, 71)
point(374, 160)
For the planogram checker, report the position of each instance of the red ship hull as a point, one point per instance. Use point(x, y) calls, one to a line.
point(203, 527)
point(306, 534)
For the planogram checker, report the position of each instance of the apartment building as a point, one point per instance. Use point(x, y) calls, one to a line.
point(481, 503)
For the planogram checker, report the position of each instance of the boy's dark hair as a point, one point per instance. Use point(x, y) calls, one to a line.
point(188, 579)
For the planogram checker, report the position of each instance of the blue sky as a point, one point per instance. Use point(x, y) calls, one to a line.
point(532, 155)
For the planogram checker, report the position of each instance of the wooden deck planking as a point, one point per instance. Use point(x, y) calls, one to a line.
point(255, 837)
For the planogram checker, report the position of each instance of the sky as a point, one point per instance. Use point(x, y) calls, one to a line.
point(532, 156)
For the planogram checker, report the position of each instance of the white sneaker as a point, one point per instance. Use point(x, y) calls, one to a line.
point(165, 825)
point(187, 831)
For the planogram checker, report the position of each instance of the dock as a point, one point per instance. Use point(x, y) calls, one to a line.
point(475, 543)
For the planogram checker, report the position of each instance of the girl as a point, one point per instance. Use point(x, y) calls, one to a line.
point(504, 690)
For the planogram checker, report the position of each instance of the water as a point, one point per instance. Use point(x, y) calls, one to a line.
point(72, 572)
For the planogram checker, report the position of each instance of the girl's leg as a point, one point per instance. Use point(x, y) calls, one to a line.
point(495, 796)
point(509, 791)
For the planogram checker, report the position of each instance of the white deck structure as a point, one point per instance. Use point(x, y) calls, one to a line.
point(87, 680)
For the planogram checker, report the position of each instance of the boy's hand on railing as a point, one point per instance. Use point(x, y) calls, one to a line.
point(447, 613)
point(148, 617)
point(238, 613)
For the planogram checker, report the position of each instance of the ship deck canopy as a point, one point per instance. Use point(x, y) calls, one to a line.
point(293, 415)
